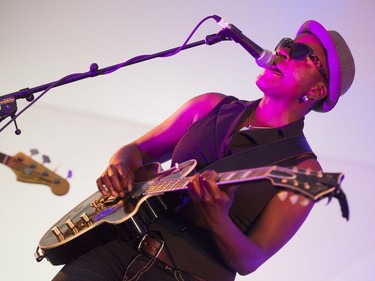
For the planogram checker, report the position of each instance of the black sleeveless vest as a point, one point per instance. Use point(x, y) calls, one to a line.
point(208, 140)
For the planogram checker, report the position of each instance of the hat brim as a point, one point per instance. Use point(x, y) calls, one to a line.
point(334, 72)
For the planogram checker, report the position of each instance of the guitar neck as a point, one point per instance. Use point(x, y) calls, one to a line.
point(312, 184)
point(4, 158)
point(224, 178)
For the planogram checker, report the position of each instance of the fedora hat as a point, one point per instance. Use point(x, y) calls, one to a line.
point(340, 62)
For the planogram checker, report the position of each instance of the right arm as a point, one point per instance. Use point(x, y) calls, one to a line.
point(156, 145)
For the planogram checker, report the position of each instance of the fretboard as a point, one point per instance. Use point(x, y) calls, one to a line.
point(4, 158)
point(174, 184)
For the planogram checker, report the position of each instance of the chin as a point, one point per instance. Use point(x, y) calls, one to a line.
point(261, 82)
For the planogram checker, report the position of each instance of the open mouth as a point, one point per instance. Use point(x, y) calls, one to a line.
point(276, 70)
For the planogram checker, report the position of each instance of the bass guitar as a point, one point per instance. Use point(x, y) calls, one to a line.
point(30, 171)
point(99, 219)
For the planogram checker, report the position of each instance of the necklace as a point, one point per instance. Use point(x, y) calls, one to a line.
point(248, 123)
point(248, 126)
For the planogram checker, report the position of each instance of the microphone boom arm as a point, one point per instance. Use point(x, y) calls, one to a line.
point(8, 106)
point(27, 93)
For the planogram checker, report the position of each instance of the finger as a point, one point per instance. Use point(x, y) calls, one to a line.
point(105, 186)
point(111, 184)
point(202, 187)
point(210, 175)
point(194, 187)
point(126, 177)
point(231, 191)
point(102, 187)
point(119, 179)
point(209, 183)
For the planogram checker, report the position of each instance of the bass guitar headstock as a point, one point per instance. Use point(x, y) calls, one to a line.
point(30, 171)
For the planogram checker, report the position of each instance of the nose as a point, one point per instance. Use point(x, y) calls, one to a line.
point(282, 54)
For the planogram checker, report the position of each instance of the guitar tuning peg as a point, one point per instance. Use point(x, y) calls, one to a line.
point(293, 199)
point(46, 159)
point(34, 151)
point(320, 174)
point(282, 195)
point(69, 175)
point(304, 202)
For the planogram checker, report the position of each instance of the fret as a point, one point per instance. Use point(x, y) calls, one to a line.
point(165, 185)
point(228, 176)
point(244, 175)
point(262, 172)
point(247, 173)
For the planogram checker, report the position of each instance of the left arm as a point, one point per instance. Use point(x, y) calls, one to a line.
point(277, 224)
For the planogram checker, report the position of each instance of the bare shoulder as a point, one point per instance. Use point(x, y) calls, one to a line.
point(207, 99)
point(311, 164)
point(204, 103)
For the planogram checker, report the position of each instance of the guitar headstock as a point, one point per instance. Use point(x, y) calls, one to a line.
point(312, 184)
point(30, 171)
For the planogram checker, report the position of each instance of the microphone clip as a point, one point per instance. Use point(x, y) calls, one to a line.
point(8, 107)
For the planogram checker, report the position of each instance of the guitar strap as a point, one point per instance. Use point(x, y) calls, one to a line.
point(263, 155)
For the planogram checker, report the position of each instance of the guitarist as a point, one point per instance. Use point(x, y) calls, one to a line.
point(225, 231)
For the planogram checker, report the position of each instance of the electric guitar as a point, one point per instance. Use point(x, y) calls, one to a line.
point(99, 219)
point(30, 171)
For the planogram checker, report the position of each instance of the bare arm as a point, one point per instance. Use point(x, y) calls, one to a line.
point(155, 145)
point(278, 223)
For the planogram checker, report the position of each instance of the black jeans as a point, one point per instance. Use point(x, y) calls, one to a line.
point(119, 261)
point(143, 268)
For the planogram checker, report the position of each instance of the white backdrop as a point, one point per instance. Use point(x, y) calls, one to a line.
point(80, 125)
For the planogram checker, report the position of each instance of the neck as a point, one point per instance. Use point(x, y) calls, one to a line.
point(273, 113)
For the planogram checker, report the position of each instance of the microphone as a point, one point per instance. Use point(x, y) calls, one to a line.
point(264, 58)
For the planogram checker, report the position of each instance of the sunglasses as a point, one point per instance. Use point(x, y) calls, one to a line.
point(300, 51)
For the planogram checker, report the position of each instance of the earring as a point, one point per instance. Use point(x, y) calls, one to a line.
point(305, 99)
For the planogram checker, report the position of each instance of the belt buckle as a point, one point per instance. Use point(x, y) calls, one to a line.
point(162, 243)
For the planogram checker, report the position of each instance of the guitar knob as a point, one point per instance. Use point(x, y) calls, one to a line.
point(86, 219)
point(320, 174)
point(69, 223)
point(20, 158)
point(56, 181)
point(58, 233)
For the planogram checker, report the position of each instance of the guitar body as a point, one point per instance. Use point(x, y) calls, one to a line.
point(100, 219)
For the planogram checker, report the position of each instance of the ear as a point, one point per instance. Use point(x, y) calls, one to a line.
point(318, 92)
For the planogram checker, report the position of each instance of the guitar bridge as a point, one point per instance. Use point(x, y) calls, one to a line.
point(111, 200)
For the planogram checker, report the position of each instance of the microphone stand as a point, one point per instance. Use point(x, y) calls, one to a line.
point(8, 105)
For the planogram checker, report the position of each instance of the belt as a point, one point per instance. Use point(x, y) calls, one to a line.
point(155, 248)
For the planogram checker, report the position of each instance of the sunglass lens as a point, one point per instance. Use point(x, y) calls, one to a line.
point(284, 43)
point(300, 51)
